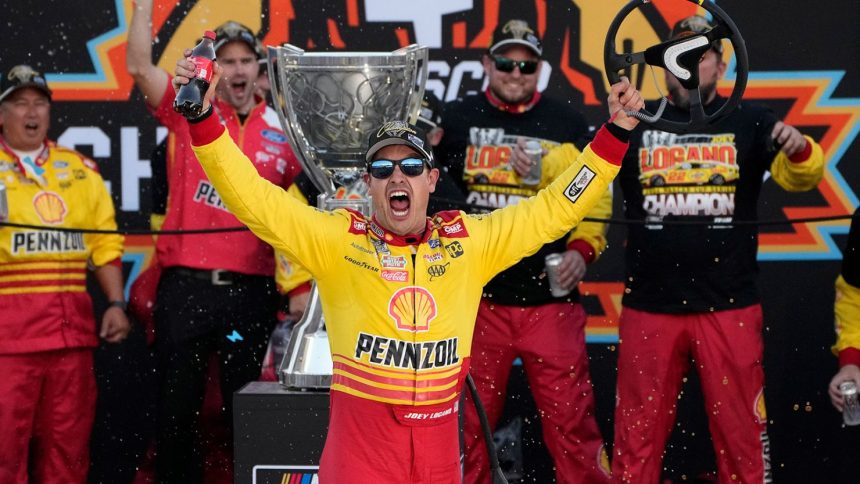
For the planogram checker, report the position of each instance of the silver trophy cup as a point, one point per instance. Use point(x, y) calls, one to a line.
point(328, 104)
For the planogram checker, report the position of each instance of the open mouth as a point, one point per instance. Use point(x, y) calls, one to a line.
point(32, 129)
point(398, 200)
point(238, 88)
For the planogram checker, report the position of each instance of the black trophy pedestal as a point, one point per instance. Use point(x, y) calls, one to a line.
point(278, 434)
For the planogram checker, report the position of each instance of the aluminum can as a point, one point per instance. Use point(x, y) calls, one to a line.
point(534, 151)
point(851, 410)
point(553, 261)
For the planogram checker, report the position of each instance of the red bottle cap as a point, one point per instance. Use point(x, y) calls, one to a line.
point(209, 35)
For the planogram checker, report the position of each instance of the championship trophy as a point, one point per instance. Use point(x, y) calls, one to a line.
point(328, 104)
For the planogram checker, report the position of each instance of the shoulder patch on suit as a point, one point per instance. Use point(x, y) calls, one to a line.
point(450, 223)
point(446, 216)
point(580, 182)
point(357, 222)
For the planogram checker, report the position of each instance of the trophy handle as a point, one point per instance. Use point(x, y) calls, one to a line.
point(422, 53)
point(301, 147)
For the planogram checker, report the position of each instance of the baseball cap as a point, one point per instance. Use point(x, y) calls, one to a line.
point(398, 133)
point(515, 32)
point(234, 31)
point(430, 112)
point(693, 25)
point(22, 76)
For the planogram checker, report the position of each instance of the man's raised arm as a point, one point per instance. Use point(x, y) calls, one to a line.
point(520, 230)
point(151, 80)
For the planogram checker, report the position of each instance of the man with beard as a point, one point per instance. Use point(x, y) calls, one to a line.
point(214, 288)
point(691, 288)
point(518, 315)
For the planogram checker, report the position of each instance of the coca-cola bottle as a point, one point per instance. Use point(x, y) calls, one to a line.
point(189, 99)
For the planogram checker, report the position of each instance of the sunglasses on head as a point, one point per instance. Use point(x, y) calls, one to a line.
point(507, 65)
point(235, 31)
point(383, 169)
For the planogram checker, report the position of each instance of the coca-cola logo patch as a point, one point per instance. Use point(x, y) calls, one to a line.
point(395, 276)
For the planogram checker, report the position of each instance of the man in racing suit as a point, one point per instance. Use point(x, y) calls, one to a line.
point(847, 347)
point(518, 316)
point(215, 288)
point(400, 290)
point(847, 312)
point(47, 324)
point(691, 289)
point(290, 278)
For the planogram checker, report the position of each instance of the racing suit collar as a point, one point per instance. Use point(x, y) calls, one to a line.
point(512, 108)
point(40, 160)
point(226, 110)
point(400, 240)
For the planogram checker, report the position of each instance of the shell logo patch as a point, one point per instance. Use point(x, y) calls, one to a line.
point(412, 308)
point(50, 207)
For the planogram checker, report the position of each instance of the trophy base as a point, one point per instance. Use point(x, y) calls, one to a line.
point(295, 381)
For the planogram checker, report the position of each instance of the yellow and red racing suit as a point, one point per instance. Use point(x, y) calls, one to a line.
point(400, 311)
point(847, 307)
point(44, 303)
point(47, 325)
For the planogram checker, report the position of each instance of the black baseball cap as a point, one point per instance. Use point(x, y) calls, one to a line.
point(515, 32)
point(399, 133)
point(22, 76)
point(234, 31)
point(430, 112)
point(694, 25)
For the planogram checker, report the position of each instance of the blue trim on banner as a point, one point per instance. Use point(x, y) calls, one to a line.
point(99, 75)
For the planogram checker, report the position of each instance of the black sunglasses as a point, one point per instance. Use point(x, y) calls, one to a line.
point(383, 169)
point(507, 65)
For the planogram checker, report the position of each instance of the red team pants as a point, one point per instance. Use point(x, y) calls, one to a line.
point(655, 354)
point(377, 443)
point(49, 397)
point(550, 339)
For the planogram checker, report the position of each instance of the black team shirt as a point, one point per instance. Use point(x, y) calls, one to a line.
point(712, 175)
point(475, 152)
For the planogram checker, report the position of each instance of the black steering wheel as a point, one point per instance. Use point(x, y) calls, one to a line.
point(681, 58)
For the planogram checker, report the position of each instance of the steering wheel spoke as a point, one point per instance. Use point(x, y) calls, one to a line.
point(697, 111)
point(620, 62)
